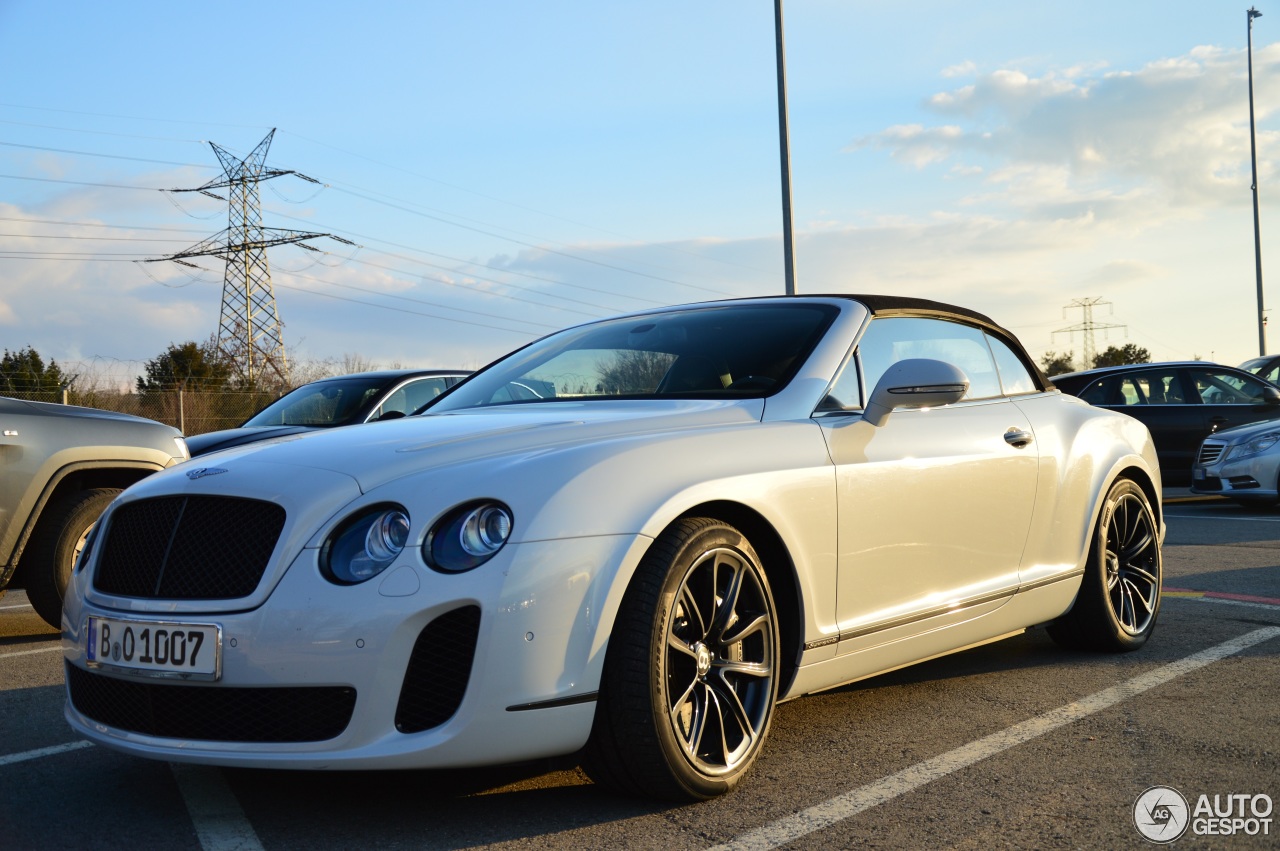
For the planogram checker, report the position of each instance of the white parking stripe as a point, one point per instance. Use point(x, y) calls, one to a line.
point(31, 652)
point(1221, 517)
point(863, 798)
point(10, 759)
point(20, 606)
point(220, 823)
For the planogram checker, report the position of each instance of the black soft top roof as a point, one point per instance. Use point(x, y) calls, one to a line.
point(881, 304)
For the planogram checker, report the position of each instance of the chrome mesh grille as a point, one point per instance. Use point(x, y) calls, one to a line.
point(188, 547)
point(1210, 452)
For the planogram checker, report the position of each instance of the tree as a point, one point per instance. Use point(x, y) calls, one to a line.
point(1056, 363)
point(1120, 355)
point(24, 371)
point(190, 366)
point(630, 372)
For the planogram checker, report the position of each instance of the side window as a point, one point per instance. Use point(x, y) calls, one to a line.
point(846, 393)
point(891, 339)
point(422, 391)
point(1227, 388)
point(1015, 378)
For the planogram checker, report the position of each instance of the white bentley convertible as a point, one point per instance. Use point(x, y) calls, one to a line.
point(628, 540)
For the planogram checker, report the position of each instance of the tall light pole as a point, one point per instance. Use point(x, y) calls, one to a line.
point(788, 244)
point(1253, 156)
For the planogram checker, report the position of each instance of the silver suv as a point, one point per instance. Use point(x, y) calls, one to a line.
point(59, 468)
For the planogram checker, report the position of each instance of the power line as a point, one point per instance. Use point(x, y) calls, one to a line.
point(106, 156)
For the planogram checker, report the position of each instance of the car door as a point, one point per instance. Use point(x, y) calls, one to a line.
point(1160, 398)
point(934, 506)
point(1228, 398)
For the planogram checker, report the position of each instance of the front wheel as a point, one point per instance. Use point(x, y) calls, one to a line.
point(691, 673)
point(47, 563)
point(1119, 598)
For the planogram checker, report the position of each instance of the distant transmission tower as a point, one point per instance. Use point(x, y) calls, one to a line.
point(1088, 326)
point(249, 327)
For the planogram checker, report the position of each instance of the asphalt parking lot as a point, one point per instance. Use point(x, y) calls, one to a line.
point(1017, 744)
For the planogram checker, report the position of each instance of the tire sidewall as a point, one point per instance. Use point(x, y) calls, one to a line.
point(53, 554)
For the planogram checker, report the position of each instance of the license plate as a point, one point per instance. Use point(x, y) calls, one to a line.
point(189, 651)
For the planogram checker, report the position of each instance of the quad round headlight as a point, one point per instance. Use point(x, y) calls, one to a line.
point(467, 536)
point(365, 545)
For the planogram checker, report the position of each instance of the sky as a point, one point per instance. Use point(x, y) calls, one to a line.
point(506, 169)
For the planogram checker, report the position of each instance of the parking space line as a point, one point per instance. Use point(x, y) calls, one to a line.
point(40, 753)
point(19, 606)
point(219, 821)
point(841, 807)
point(1218, 596)
point(31, 652)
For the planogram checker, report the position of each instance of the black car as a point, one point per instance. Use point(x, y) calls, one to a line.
point(330, 402)
point(1182, 403)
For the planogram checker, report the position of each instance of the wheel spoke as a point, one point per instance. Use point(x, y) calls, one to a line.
point(1133, 548)
point(678, 644)
point(745, 627)
point(1137, 593)
point(690, 732)
point(747, 731)
point(689, 607)
point(1145, 575)
point(726, 605)
point(746, 669)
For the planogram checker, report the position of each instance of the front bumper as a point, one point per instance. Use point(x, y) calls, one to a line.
point(529, 693)
point(1253, 478)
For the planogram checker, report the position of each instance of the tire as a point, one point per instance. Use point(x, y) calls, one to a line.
point(48, 561)
point(1119, 598)
point(691, 673)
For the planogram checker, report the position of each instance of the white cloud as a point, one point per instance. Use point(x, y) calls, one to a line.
point(962, 69)
point(1177, 128)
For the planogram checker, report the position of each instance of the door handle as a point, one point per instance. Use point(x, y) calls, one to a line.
point(1017, 438)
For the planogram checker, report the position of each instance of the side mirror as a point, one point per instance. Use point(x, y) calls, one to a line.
point(915, 383)
point(1270, 396)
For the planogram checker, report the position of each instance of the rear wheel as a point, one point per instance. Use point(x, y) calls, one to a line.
point(1119, 598)
point(48, 561)
point(691, 674)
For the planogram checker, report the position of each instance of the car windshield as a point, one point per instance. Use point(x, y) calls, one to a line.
point(730, 351)
point(1255, 365)
point(334, 402)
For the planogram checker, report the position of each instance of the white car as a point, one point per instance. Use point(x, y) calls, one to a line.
point(629, 540)
point(1241, 463)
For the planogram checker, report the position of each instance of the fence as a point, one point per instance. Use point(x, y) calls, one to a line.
point(189, 411)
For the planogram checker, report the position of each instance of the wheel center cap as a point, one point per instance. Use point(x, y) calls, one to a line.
point(703, 657)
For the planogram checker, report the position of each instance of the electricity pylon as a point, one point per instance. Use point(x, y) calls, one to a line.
point(1088, 326)
point(249, 328)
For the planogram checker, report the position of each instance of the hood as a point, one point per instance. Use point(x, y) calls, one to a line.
point(52, 409)
point(376, 453)
point(1241, 433)
point(212, 441)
